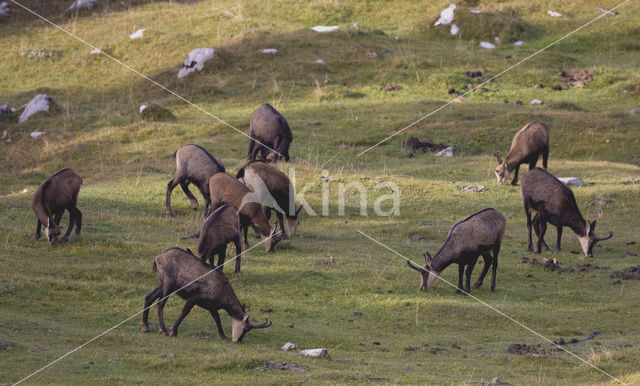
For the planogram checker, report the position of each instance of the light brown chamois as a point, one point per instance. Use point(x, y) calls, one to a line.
point(193, 165)
point(200, 285)
point(527, 146)
point(280, 195)
point(226, 190)
point(553, 202)
point(479, 234)
point(55, 195)
point(220, 228)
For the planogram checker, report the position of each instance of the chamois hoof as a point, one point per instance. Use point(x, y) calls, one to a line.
point(144, 328)
point(461, 292)
point(173, 334)
point(163, 333)
point(492, 289)
point(477, 284)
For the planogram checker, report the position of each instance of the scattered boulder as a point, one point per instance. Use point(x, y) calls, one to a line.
point(472, 188)
point(571, 181)
point(77, 4)
point(316, 352)
point(37, 133)
point(633, 111)
point(4, 9)
point(324, 28)
point(289, 346)
point(446, 16)
point(195, 61)
point(7, 112)
point(39, 103)
point(487, 45)
point(138, 34)
point(416, 237)
point(536, 102)
point(271, 51)
point(155, 112)
point(448, 152)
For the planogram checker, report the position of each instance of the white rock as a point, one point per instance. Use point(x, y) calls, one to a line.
point(271, 51)
point(497, 40)
point(37, 133)
point(88, 4)
point(4, 9)
point(324, 28)
point(571, 181)
point(454, 29)
point(518, 43)
point(138, 34)
point(321, 61)
point(487, 45)
point(446, 16)
point(476, 11)
point(633, 111)
point(95, 52)
point(289, 346)
point(5, 135)
point(142, 108)
point(40, 102)
point(25, 190)
point(6, 110)
point(448, 152)
point(554, 13)
point(195, 61)
point(317, 352)
point(536, 102)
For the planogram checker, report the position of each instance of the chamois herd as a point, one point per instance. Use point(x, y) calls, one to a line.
point(233, 204)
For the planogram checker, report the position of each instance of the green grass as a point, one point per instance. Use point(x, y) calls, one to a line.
point(54, 298)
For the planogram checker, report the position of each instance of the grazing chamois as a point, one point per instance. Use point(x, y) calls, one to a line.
point(220, 228)
point(259, 176)
point(200, 285)
point(269, 131)
point(226, 190)
point(193, 165)
point(479, 234)
point(554, 203)
point(53, 196)
point(527, 145)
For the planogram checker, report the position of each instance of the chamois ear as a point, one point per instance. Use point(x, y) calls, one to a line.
point(427, 260)
point(497, 154)
point(273, 229)
point(592, 226)
point(298, 211)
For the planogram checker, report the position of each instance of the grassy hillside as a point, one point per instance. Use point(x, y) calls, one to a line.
point(386, 66)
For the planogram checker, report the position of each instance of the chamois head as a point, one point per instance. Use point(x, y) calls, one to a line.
point(240, 327)
point(427, 274)
point(52, 230)
point(502, 173)
point(293, 221)
point(271, 240)
point(588, 241)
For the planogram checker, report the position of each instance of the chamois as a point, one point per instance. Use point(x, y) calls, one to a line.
point(527, 145)
point(53, 196)
point(479, 234)
point(200, 285)
point(554, 203)
point(221, 227)
point(226, 190)
point(269, 131)
point(193, 165)
point(280, 195)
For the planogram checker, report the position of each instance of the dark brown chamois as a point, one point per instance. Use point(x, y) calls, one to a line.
point(220, 228)
point(53, 196)
point(479, 234)
point(200, 285)
point(278, 190)
point(226, 190)
point(193, 165)
point(269, 131)
point(554, 203)
point(527, 146)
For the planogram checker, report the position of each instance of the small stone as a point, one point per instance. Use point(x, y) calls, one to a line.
point(495, 380)
point(537, 102)
point(571, 181)
point(633, 111)
point(448, 152)
point(416, 237)
point(289, 346)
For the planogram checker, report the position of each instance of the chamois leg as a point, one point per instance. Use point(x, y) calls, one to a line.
point(542, 226)
point(282, 228)
point(166, 290)
point(559, 228)
point(238, 245)
point(488, 260)
point(467, 283)
point(252, 145)
point(73, 217)
point(494, 267)
point(148, 301)
point(167, 202)
point(535, 228)
point(207, 206)
point(460, 277)
point(38, 229)
point(529, 241)
point(190, 196)
point(58, 216)
point(222, 255)
point(533, 163)
point(245, 231)
point(514, 182)
point(78, 221)
point(216, 318)
point(545, 158)
point(185, 311)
